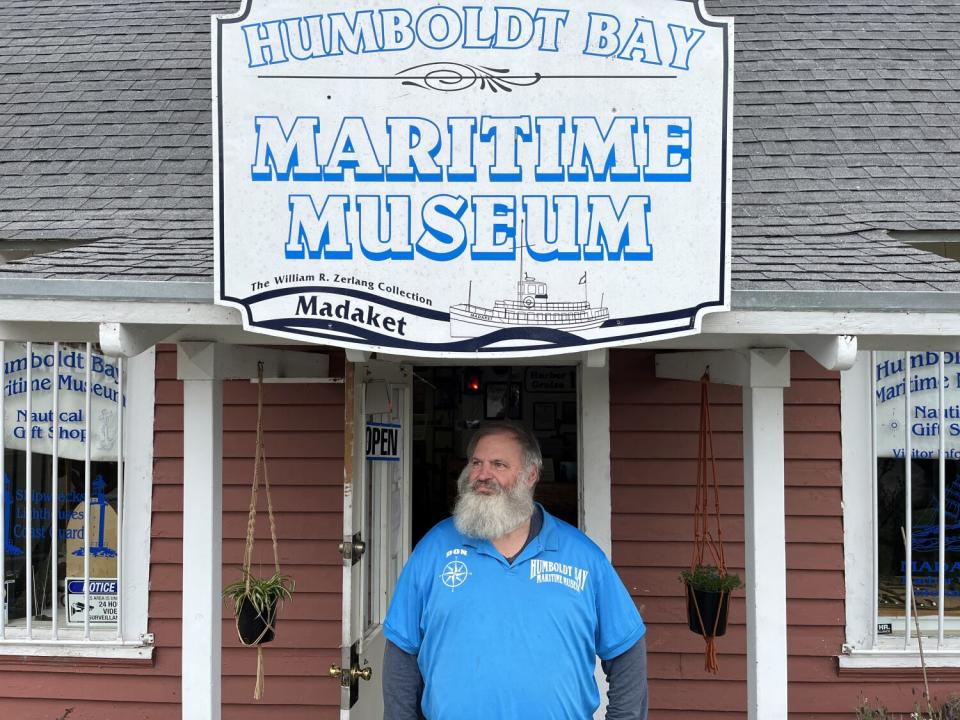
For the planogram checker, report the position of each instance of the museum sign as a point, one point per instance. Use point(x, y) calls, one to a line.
point(504, 180)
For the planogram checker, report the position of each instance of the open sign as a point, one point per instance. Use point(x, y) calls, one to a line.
point(383, 441)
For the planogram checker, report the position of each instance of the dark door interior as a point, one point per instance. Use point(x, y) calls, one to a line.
point(449, 402)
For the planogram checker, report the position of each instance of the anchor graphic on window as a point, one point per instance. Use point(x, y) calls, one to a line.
point(99, 550)
point(8, 547)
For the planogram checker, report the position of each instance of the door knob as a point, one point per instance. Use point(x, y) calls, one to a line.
point(354, 673)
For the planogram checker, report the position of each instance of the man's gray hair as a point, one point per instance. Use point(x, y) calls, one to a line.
point(529, 447)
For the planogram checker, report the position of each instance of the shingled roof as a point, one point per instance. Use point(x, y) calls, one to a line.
point(845, 127)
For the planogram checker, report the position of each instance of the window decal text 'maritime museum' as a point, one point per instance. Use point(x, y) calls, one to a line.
point(452, 180)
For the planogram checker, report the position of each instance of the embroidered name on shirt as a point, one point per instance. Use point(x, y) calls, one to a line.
point(548, 571)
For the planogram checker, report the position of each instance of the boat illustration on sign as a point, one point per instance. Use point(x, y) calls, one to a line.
point(531, 308)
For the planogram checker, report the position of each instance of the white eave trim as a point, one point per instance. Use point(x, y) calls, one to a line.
point(852, 659)
point(772, 300)
point(847, 300)
point(757, 313)
point(126, 290)
point(100, 650)
point(779, 324)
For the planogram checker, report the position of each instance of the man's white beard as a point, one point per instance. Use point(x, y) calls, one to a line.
point(494, 515)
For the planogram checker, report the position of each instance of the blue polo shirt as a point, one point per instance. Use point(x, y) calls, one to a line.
point(495, 640)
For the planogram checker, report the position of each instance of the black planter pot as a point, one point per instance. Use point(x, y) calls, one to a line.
point(254, 628)
point(713, 610)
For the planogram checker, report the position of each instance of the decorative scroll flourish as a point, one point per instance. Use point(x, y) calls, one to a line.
point(453, 77)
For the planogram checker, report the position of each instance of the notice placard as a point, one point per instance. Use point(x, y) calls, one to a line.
point(103, 600)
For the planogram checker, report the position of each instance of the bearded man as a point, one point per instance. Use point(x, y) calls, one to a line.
point(502, 609)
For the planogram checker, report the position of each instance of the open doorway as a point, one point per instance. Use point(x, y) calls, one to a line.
point(449, 402)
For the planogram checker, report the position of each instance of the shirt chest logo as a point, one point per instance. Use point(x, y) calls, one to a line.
point(549, 571)
point(455, 572)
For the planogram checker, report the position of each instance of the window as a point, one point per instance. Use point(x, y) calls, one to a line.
point(76, 435)
point(901, 479)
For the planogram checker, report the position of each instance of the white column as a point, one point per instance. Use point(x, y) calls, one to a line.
point(594, 491)
point(765, 530)
point(202, 541)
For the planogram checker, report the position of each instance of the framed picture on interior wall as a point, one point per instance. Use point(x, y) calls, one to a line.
point(496, 401)
point(544, 416)
point(515, 401)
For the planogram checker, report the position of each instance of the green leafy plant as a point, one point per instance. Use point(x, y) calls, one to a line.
point(949, 710)
point(709, 578)
point(262, 593)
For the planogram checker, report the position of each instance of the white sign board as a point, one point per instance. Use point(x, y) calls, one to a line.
point(66, 371)
point(441, 180)
point(383, 441)
point(918, 375)
point(103, 600)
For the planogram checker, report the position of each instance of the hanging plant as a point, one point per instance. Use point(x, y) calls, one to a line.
point(255, 605)
point(255, 600)
point(708, 599)
point(707, 582)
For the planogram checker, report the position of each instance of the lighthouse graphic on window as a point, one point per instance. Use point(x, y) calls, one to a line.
point(100, 549)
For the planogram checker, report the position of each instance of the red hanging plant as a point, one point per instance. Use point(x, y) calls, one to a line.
point(708, 582)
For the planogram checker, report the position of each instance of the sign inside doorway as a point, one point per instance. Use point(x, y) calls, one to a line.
point(383, 441)
point(452, 180)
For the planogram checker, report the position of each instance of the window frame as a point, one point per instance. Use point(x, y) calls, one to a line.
point(140, 372)
point(862, 648)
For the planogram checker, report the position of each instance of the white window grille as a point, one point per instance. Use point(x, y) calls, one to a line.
point(901, 479)
point(63, 411)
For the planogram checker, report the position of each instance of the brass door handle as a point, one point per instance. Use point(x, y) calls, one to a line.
point(353, 673)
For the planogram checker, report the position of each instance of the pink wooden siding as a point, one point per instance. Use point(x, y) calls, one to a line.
point(304, 445)
point(304, 448)
point(653, 451)
point(653, 425)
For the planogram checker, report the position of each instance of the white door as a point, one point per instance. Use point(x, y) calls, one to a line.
point(376, 526)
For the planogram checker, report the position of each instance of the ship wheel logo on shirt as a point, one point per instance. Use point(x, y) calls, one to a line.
point(455, 574)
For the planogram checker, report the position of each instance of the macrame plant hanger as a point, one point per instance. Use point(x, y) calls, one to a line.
point(707, 534)
point(259, 464)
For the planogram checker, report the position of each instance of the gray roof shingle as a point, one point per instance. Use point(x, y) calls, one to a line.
point(845, 126)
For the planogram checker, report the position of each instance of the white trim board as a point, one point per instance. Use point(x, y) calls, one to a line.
point(915, 324)
point(595, 508)
point(593, 389)
point(883, 658)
